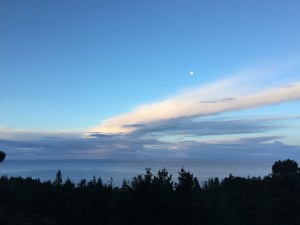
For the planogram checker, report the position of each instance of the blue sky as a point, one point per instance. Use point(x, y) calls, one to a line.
point(111, 79)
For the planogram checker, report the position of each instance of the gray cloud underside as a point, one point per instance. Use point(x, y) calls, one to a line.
point(219, 100)
point(251, 148)
point(145, 142)
point(201, 128)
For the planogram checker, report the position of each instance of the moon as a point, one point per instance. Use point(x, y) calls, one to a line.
point(191, 72)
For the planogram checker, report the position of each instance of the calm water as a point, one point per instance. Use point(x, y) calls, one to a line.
point(118, 169)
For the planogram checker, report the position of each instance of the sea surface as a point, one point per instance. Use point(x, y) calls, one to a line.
point(119, 170)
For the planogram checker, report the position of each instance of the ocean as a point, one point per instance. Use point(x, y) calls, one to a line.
point(119, 170)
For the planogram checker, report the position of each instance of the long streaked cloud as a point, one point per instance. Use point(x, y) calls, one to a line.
point(177, 138)
point(130, 148)
point(222, 96)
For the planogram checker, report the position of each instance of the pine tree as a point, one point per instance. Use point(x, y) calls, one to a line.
point(58, 178)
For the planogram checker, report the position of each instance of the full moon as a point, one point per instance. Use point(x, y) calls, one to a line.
point(191, 72)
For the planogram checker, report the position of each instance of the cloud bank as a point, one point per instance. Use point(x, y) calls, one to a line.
point(183, 138)
point(176, 127)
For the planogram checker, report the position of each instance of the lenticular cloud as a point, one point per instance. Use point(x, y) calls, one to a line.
point(218, 97)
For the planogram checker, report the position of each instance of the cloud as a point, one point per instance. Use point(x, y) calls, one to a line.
point(175, 127)
point(127, 147)
point(219, 100)
point(191, 126)
point(7, 133)
point(186, 138)
point(226, 95)
point(257, 148)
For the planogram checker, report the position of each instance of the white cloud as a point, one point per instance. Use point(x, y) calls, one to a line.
point(218, 97)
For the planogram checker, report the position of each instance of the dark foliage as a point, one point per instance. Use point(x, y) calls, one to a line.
point(155, 199)
point(2, 156)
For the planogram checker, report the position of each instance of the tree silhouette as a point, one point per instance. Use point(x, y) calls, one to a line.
point(163, 181)
point(2, 156)
point(285, 168)
point(285, 183)
point(150, 199)
point(58, 178)
point(187, 182)
point(187, 192)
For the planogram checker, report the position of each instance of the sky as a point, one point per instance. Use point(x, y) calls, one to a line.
point(161, 79)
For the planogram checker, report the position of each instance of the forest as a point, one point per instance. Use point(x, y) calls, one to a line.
point(155, 199)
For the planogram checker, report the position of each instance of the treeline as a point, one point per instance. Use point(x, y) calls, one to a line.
point(155, 200)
